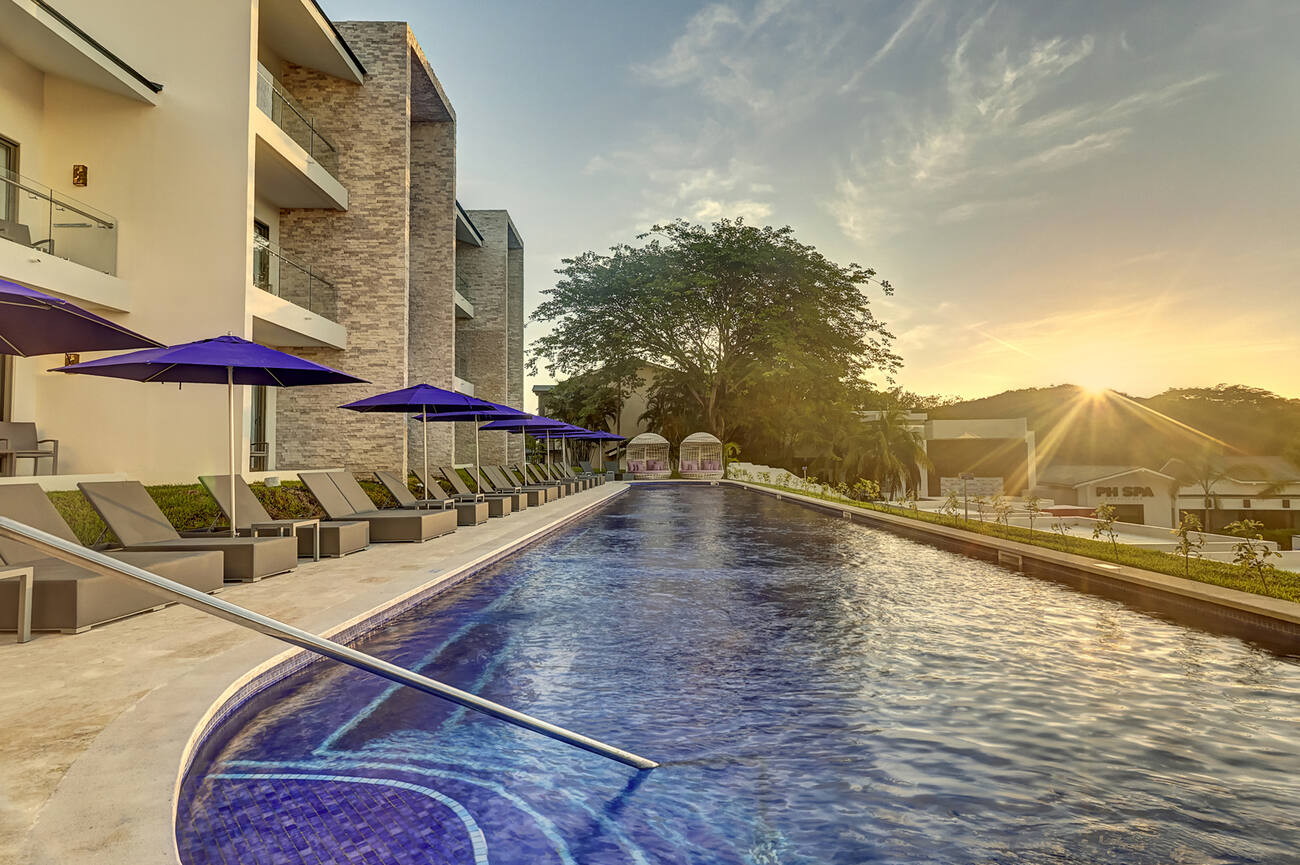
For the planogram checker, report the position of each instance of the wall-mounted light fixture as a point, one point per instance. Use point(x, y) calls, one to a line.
point(71, 357)
point(78, 175)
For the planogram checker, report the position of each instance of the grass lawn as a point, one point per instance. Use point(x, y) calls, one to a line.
point(1284, 585)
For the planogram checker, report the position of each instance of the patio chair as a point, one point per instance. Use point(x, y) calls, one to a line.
point(70, 598)
point(537, 495)
point(337, 537)
point(588, 471)
point(498, 505)
point(523, 482)
point(553, 472)
point(588, 478)
point(468, 513)
point(131, 514)
point(519, 500)
point(18, 441)
point(535, 471)
point(344, 499)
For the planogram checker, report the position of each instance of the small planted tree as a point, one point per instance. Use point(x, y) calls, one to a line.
point(1002, 512)
point(1034, 508)
point(1060, 528)
point(909, 500)
point(1190, 540)
point(1104, 525)
point(952, 505)
point(1252, 554)
point(981, 505)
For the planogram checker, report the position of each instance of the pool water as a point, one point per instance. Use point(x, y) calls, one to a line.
point(818, 692)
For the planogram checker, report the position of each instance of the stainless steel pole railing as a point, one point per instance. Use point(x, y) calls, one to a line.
point(99, 563)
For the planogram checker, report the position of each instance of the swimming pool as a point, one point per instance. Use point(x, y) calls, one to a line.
point(818, 692)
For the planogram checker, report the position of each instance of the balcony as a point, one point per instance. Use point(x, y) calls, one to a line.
point(297, 283)
point(460, 385)
point(286, 113)
point(55, 242)
point(291, 303)
point(297, 166)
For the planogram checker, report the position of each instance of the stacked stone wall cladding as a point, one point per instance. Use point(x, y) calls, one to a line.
point(515, 344)
point(432, 319)
point(392, 258)
point(483, 269)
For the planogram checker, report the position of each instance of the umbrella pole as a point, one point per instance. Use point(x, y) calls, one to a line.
point(478, 483)
point(424, 430)
point(230, 404)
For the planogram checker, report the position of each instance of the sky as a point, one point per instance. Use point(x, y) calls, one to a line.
point(1102, 192)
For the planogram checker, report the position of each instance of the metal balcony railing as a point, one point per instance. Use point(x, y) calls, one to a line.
point(286, 113)
point(36, 216)
point(296, 283)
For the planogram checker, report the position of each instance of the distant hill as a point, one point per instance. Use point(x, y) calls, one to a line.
point(1074, 425)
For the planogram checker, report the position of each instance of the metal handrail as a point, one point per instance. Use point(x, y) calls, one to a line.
point(50, 196)
point(101, 564)
point(291, 103)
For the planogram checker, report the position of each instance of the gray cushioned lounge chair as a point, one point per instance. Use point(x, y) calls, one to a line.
point(519, 499)
point(566, 470)
point(468, 513)
point(553, 491)
point(132, 515)
point(337, 537)
point(534, 475)
point(498, 505)
point(547, 475)
point(344, 499)
point(537, 495)
point(69, 598)
point(474, 516)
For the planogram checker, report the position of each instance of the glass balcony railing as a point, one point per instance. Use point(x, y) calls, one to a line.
point(285, 112)
point(296, 283)
point(35, 216)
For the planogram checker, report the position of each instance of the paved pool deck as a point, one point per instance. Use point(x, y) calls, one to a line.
point(94, 726)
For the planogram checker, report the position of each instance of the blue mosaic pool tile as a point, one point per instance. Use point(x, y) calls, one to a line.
point(329, 820)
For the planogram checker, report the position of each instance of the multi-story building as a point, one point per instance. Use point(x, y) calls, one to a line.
point(192, 169)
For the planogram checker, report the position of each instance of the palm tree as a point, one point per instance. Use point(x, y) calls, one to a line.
point(894, 450)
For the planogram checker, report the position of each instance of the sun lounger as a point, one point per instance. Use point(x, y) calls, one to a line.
point(523, 482)
point(535, 472)
point(131, 514)
point(344, 499)
point(498, 505)
point(588, 471)
point(70, 598)
point(337, 537)
point(519, 499)
point(554, 475)
point(468, 513)
point(586, 477)
point(537, 495)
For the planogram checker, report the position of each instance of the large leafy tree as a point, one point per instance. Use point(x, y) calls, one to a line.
point(725, 311)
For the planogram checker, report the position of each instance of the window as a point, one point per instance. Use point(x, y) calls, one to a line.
point(259, 448)
point(8, 172)
point(1286, 503)
point(261, 255)
point(1245, 503)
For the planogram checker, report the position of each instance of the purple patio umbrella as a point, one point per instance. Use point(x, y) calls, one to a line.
point(227, 360)
point(535, 425)
point(494, 413)
point(32, 322)
point(427, 401)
